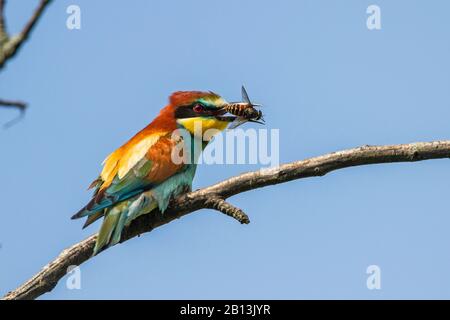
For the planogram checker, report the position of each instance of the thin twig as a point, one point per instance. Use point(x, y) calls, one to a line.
point(48, 277)
point(13, 104)
point(20, 105)
point(11, 45)
point(228, 209)
point(3, 31)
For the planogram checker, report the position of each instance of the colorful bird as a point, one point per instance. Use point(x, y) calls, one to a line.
point(141, 175)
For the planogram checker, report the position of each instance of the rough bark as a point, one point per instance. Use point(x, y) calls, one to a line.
point(215, 195)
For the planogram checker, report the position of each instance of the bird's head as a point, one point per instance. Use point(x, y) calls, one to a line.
point(194, 110)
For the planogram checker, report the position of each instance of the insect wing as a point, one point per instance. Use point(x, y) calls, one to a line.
point(245, 97)
point(237, 122)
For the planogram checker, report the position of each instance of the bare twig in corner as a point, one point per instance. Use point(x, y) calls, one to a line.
point(20, 105)
point(45, 280)
point(9, 46)
point(3, 32)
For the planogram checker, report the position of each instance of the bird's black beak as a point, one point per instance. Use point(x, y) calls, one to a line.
point(220, 115)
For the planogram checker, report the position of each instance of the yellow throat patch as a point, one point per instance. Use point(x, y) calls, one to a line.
point(200, 125)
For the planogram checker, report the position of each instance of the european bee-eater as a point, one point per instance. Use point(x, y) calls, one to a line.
point(141, 175)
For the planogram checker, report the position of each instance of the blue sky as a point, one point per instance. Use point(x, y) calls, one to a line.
point(327, 83)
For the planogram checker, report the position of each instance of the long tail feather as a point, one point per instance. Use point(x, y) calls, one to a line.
point(119, 216)
point(107, 228)
point(94, 217)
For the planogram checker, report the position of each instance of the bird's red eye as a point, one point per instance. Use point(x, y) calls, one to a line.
point(198, 108)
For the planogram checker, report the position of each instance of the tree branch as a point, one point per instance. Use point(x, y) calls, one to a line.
point(228, 209)
point(3, 32)
point(9, 46)
point(20, 105)
point(48, 277)
point(13, 104)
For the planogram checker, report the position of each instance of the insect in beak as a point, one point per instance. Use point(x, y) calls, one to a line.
point(244, 111)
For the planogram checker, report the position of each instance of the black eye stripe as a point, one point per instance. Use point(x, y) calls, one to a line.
point(188, 112)
point(185, 112)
